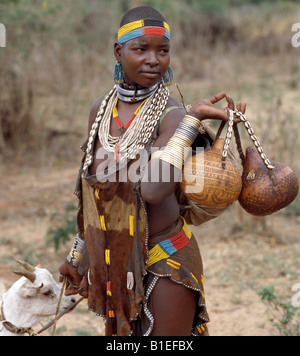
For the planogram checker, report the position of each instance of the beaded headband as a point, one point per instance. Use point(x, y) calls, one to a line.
point(143, 28)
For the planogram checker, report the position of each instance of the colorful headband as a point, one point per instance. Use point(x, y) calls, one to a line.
point(143, 28)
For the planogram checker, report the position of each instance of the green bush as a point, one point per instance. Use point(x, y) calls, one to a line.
point(283, 316)
point(65, 229)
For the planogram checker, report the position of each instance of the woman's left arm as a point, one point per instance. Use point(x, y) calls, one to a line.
point(161, 177)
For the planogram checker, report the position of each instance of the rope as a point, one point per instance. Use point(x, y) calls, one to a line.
point(62, 293)
point(239, 115)
point(12, 328)
point(46, 327)
point(250, 131)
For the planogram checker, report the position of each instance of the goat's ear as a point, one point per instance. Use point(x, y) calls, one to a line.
point(28, 290)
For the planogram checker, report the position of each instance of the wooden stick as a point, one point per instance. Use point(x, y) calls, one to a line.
point(62, 293)
point(60, 316)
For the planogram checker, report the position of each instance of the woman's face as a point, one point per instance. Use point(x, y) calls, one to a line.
point(144, 59)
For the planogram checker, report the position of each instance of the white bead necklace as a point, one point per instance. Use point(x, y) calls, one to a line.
point(136, 136)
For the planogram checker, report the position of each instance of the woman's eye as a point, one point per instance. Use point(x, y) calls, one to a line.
point(164, 50)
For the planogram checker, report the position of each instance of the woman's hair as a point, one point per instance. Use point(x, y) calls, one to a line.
point(141, 13)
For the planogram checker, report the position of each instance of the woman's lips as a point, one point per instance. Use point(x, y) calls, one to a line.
point(150, 75)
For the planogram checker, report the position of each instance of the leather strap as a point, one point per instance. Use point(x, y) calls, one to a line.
point(12, 328)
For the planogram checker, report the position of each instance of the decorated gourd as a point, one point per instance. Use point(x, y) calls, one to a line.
point(222, 183)
point(266, 191)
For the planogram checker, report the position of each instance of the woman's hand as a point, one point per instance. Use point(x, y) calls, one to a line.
point(205, 109)
point(73, 278)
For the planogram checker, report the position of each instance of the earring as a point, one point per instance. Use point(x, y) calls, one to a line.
point(118, 73)
point(168, 77)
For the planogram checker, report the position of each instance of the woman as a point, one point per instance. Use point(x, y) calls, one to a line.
point(141, 264)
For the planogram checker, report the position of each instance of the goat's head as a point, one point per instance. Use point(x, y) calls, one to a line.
point(38, 287)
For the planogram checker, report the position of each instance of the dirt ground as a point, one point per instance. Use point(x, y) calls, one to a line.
point(241, 254)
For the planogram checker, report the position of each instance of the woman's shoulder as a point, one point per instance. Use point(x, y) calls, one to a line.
point(174, 109)
point(172, 116)
point(174, 104)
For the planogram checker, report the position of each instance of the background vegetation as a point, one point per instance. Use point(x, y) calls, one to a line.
point(59, 58)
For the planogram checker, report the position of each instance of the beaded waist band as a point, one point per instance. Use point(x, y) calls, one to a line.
point(167, 248)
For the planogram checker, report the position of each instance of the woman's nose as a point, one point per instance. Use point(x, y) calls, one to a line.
point(152, 59)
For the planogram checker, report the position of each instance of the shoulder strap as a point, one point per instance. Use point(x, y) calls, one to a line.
point(163, 115)
point(166, 112)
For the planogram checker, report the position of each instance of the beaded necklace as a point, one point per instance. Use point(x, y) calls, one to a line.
point(117, 120)
point(136, 136)
point(122, 127)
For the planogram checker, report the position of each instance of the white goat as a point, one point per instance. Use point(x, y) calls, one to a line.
point(30, 299)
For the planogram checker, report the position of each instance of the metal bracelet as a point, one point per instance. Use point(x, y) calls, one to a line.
point(76, 252)
point(79, 244)
point(188, 130)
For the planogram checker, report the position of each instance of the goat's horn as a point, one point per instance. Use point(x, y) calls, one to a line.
point(29, 275)
point(26, 265)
